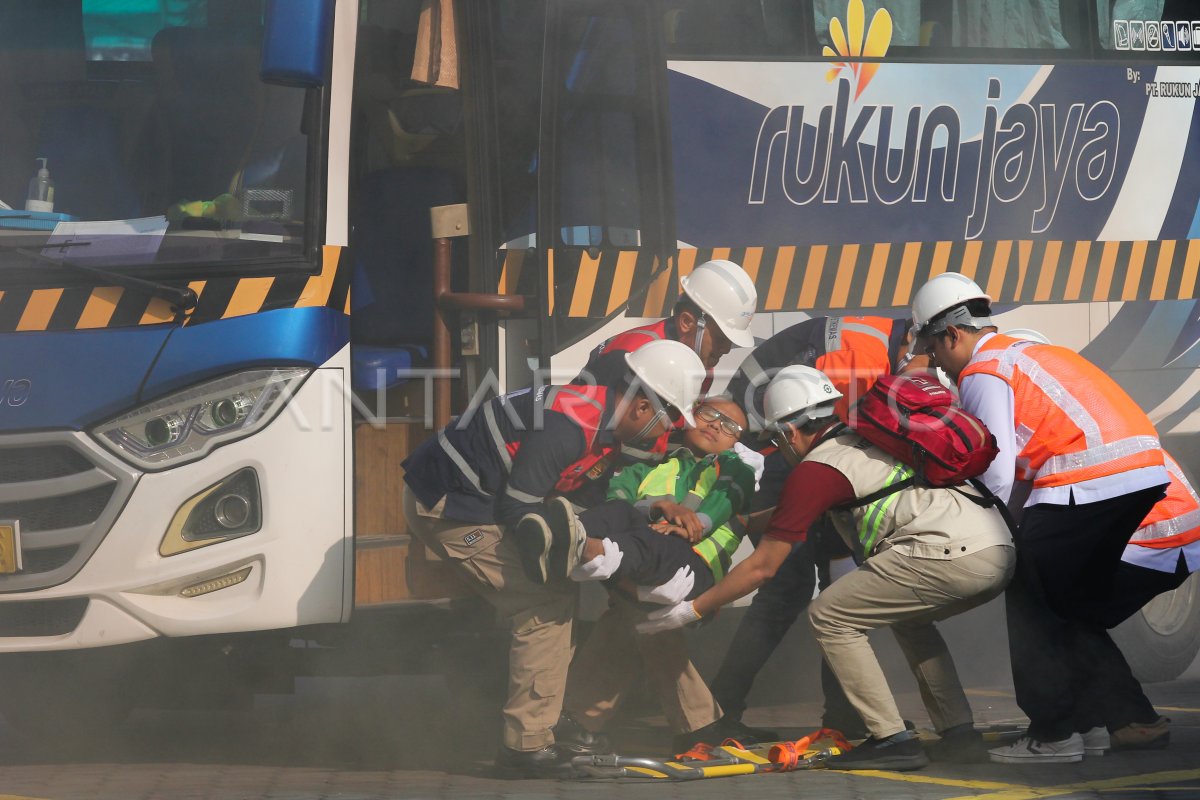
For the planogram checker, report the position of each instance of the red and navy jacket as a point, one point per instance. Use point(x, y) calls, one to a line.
point(500, 460)
point(606, 364)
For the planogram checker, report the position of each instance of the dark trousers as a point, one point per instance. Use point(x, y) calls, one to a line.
point(1067, 563)
point(1110, 696)
point(774, 608)
point(650, 558)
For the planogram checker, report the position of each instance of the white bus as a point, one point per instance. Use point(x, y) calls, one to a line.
point(224, 301)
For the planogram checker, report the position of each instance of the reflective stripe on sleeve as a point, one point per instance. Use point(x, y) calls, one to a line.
point(460, 462)
point(523, 497)
point(489, 416)
point(866, 330)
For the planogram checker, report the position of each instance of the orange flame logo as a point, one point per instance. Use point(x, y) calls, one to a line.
point(855, 42)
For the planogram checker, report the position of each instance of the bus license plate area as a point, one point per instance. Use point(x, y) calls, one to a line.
point(10, 547)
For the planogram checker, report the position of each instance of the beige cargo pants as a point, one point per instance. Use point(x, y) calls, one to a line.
point(908, 595)
point(615, 655)
point(540, 617)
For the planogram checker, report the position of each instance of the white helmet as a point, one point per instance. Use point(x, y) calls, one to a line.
point(672, 371)
point(944, 292)
point(799, 394)
point(725, 293)
point(1029, 335)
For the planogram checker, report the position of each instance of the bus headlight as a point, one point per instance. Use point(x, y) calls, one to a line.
point(187, 425)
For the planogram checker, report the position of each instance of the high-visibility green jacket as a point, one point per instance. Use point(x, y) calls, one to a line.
point(717, 488)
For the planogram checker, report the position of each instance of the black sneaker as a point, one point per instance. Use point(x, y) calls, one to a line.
point(573, 738)
point(959, 745)
point(533, 539)
point(901, 753)
point(566, 537)
point(545, 762)
point(736, 729)
point(715, 734)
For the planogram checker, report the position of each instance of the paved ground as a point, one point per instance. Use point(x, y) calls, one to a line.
point(364, 739)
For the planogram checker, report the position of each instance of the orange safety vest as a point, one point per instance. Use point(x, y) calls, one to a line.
point(856, 355)
point(1073, 422)
point(1175, 520)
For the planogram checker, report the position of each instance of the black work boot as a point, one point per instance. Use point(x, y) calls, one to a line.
point(545, 762)
point(961, 744)
point(533, 540)
point(900, 752)
point(567, 538)
point(573, 738)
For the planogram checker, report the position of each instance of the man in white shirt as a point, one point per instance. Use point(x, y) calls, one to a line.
point(1096, 469)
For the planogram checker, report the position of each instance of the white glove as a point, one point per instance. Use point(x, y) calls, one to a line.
point(752, 459)
point(601, 567)
point(670, 592)
point(668, 619)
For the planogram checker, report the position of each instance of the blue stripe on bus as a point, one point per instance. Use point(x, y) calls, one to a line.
point(75, 379)
point(288, 336)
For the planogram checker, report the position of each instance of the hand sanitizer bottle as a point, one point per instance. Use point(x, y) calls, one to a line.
point(41, 190)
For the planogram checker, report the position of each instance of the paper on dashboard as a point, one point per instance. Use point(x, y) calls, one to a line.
point(107, 242)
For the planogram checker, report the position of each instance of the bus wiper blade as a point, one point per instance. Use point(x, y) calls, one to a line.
point(182, 299)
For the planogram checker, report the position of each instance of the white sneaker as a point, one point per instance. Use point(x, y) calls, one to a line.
point(1027, 750)
point(1096, 742)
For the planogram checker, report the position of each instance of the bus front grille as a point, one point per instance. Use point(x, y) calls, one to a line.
point(41, 617)
point(65, 493)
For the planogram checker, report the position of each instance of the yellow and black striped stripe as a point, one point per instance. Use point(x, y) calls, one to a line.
point(90, 307)
point(867, 276)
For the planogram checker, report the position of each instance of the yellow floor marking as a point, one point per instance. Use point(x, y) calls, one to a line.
point(912, 778)
point(1183, 710)
point(989, 693)
point(1152, 789)
point(1125, 782)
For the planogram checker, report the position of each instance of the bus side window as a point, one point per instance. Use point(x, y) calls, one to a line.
point(719, 28)
point(1014, 24)
point(599, 122)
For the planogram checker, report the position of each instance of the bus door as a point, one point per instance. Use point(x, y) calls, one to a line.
point(603, 211)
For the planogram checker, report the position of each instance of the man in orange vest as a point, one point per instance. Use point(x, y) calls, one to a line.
point(498, 476)
point(1096, 468)
point(1164, 550)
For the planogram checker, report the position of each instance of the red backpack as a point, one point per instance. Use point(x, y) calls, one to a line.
point(914, 418)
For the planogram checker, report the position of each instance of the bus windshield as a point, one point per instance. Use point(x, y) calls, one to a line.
point(138, 133)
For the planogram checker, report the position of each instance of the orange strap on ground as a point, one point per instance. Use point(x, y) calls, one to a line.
point(788, 754)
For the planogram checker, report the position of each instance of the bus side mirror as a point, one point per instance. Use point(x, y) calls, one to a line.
point(297, 42)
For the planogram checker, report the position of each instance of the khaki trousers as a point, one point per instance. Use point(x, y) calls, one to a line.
point(540, 617)
point(616, 654)
point(909, 595)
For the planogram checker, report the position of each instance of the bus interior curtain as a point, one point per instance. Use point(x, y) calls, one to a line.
point(1009, 24)
point(436, 60)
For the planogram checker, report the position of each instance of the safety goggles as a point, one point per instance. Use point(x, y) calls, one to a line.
point(728, 425)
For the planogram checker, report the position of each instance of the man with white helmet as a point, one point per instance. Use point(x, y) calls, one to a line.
point(510, 466)
point(1112, 710)
point(712, 316)
point(1096, 468)
point(931, 554)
